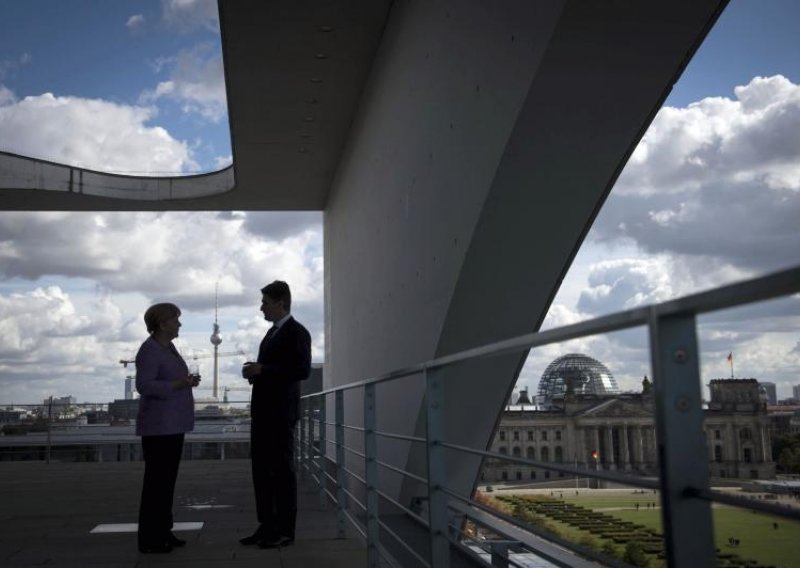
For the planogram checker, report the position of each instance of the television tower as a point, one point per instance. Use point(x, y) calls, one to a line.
point(215, 341)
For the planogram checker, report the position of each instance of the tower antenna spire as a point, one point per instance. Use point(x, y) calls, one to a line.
point(216, 340)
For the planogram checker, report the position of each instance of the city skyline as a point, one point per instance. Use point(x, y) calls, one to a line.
point(710, 196)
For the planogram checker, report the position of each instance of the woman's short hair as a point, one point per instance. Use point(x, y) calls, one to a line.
point(158, 314)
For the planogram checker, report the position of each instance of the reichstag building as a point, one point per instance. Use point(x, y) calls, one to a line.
point(580, 417)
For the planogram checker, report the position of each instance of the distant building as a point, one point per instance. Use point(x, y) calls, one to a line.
point(796, 392)
point(123, 410)
point(616, 431)
point(771, 392)
point(130, 385)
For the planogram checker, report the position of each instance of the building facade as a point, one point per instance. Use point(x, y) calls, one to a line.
point(617, 433)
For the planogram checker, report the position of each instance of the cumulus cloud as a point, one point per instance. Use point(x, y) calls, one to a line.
point(718, 180)
point(196, 82)
point(135, 22)
point(91, 133)
point(178, 255)
point(9, 65)
point(190, 15)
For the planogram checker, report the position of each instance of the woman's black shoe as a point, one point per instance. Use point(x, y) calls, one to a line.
point(174, 541)
point(161, 548)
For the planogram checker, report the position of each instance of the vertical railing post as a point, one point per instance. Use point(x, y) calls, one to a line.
point(49, 425)
point(371, 476)
point(437, 474)
point(683, 460)
point(302, 450)
point(323, 498)
point(499, 554)
point(341, 497)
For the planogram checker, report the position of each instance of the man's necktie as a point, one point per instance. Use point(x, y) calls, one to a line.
point(271, 331)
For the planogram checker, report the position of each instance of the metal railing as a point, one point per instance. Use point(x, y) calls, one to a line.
point(57, 430)
point(685, 493)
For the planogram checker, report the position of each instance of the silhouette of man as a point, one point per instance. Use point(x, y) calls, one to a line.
point(284, 359)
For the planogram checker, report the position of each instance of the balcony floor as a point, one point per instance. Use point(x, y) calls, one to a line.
point(48, 511)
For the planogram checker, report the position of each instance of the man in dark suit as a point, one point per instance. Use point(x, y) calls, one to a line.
point(284, 359)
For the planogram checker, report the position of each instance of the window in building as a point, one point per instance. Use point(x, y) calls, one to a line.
point(748, 455)
point(745, 434)
point(718, 454)
point(502, 435)
point(558, 435)
point(516, 435)
point(502, 450)
point(531, 453)
point(533, 475)
point(504, 476)
point(530, 435)
point(544, 435)
point(754, 473)
point(516, 452)
point(547, 475)
point(519, 476)
point(558, 454)
point(545, 454)
point(717, 435)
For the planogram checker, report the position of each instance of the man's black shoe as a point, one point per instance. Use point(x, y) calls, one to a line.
point(174, 541)
point(161, 548)
point(254, 538)
point(275, 542)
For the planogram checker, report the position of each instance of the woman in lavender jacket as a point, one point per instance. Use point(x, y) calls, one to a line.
point(166, 413)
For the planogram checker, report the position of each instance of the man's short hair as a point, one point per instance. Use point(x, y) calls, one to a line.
point(279, 292)
point(158, 314)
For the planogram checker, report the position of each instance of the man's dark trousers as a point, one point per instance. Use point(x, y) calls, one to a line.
point(274, 479)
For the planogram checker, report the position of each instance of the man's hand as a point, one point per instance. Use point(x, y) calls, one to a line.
point(250, 370)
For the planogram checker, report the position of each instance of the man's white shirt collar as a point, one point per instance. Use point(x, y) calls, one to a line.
point(281, 321)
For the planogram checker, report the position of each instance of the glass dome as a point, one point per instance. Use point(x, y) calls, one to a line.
point(575, 373)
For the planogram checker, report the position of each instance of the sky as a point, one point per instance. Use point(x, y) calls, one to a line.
point(710, 196)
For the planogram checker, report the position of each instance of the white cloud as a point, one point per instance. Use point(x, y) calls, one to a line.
point(91, 133)
point(718, 181)
point(178, 255)
point(135, 22)
point(131, 260)
point(196, 82)
point(189, 15)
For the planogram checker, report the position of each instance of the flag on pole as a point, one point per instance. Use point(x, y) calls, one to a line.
point(730, 360)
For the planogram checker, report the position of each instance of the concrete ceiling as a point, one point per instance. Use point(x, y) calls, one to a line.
point(294, 70)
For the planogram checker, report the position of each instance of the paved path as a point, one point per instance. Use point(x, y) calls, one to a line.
point(48, 511)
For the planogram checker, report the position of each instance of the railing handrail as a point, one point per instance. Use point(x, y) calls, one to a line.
point(770, 286)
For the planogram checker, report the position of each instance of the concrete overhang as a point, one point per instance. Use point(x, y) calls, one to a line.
point(294, 75)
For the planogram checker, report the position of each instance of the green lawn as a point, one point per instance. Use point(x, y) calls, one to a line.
point(758, 539)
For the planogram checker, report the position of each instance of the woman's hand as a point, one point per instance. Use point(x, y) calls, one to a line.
point(187, 382)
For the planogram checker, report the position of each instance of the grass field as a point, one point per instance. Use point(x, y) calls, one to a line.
point(758, 539)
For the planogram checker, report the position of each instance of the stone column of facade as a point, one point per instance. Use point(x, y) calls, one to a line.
point(596, 430)
point(625, 460)
point(610, 448)
point(638, 447)
point(764, 437)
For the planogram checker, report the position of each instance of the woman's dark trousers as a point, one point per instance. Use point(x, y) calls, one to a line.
point(162, 457)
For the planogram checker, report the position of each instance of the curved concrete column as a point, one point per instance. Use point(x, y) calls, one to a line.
point(487, 139)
